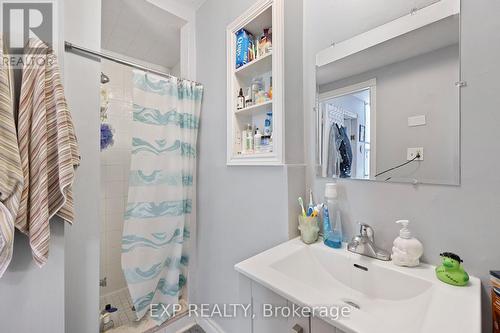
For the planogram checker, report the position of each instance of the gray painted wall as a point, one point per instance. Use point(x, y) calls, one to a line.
point(462, 219)
point(82, 26)
point(32, 297)
point(422, 85)
point(294, 117)
point(241, 210)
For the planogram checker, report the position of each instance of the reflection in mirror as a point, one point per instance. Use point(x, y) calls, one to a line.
point(346, 115)
point(388, 101)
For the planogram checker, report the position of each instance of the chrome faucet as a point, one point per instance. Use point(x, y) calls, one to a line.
point(364, 244)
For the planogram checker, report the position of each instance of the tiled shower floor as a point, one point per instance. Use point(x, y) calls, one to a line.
point(122, 301)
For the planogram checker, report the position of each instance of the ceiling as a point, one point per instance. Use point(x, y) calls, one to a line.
point(141, 30)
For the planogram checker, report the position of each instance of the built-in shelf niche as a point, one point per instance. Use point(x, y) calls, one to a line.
point(264, 14)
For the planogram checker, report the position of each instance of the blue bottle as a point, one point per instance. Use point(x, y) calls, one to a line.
point(268, 127)
point(332, 224)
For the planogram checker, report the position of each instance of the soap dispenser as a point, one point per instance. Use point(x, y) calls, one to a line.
point(407, 250)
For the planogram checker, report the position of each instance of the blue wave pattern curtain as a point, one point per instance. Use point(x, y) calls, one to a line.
point(155, 243)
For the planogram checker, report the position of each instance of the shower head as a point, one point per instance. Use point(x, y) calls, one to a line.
point(104, 78)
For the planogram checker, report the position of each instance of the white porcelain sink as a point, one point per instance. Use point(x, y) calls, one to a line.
point(383, 297)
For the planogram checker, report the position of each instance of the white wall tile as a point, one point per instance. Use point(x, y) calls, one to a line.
point(114, 221)
point(115, 188)
point(113, 173)
point(114, 239)
point(115, 166)
point(115, 205)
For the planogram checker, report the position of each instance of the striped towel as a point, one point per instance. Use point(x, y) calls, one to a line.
point(48, 148)
point(11, 175)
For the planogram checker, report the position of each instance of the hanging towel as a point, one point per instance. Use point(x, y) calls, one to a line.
point(48, 148)
point(11, 175)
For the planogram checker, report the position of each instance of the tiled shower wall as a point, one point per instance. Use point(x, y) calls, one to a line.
point(115, 164)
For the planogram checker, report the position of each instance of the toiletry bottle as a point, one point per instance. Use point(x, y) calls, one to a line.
point(244, 141)
point(268, 126)
point(257, 140)
point(249, 139)
point(240, 102)
point(407, 250)
point(255, 90)
point(248, 97)
point(256, 87)
point(332, 224)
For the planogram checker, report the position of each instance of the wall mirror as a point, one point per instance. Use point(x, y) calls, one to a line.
point(388, 100)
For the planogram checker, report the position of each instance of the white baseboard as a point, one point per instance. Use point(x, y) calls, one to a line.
point(209, 325)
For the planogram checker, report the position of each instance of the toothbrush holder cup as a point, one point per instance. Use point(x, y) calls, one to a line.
point(309, 229)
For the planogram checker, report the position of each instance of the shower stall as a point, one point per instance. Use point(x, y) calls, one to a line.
point(149, 126)
point(149, 129)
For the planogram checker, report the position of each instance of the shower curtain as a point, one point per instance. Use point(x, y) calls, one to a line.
point(155, 243)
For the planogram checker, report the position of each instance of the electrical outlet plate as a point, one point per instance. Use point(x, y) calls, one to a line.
point(412, 152)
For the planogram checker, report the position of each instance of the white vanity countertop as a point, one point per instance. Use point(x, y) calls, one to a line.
point(390, 298)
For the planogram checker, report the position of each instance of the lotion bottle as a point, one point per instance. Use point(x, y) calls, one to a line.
point(406, 250)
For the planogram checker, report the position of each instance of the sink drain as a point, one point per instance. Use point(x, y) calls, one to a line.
point(351, 303)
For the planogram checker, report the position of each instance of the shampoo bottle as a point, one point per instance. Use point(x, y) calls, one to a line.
point(257, 141)
point(406, 250)
point(332, 224)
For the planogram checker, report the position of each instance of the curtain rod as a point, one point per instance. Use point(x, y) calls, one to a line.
point(70, 47)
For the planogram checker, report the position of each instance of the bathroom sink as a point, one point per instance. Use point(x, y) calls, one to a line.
point(381, 297)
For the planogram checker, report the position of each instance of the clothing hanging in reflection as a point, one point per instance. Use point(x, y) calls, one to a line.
point(339, 152)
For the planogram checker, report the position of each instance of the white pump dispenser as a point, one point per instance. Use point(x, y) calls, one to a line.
point(406, 250)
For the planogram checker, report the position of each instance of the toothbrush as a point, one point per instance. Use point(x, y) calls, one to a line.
point(310, 209)
point(301, 203)
point(316, 210)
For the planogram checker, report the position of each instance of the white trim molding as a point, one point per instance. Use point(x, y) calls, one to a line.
point(276, 158)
